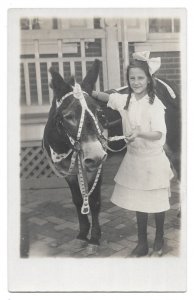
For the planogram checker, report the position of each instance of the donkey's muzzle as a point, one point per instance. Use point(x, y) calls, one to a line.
point(92, 163)
point(93, 155)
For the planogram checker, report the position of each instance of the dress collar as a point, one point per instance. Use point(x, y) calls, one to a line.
point(144, 98)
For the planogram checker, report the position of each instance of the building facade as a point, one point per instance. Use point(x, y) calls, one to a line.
point(71, 45)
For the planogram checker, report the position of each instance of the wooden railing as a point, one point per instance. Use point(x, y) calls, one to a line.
point(41, 50)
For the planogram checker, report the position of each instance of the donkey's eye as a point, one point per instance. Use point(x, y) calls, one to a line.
point(102, 118)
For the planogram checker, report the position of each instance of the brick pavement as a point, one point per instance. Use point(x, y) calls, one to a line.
point(51, 223)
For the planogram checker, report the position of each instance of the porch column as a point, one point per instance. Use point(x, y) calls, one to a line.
point(112, 55)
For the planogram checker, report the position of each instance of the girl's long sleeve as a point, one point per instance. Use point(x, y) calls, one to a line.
point(101, 96)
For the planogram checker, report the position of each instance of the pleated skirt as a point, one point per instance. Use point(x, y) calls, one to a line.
point(149, 201)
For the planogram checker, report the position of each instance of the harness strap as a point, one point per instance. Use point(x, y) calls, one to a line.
point(81, 124)
point(95, 122)
point(84, 186)
point(55, 167)
point(52, 165)
point(59, 102)
point(113, 139)
point(72, 164)
point(113, 150)
point(58, 157)
point(96, 180)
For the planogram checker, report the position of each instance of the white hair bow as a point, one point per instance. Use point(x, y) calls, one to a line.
point(153, 63)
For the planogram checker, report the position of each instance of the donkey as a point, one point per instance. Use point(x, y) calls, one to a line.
point(74, 144)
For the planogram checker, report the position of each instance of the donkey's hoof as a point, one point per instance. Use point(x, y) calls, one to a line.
point(79, 244)
point(158, 253)
point(92, 249)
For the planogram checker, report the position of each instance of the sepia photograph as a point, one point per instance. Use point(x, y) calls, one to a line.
point(96, 119)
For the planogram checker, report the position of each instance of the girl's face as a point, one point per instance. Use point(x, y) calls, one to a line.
point(138, 81)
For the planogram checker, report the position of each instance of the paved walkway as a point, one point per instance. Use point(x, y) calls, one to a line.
point(51, 223)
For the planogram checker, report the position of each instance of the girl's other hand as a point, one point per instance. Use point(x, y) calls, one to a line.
point(131, 137)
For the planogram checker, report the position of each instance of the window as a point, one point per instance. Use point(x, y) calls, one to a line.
point(164, 25)
point(37, 24)
point(26, 24)
point(97, 24)
point(55, 23)
point(176, 25)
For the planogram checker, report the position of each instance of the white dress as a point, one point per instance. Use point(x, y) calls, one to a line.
point(143, 178)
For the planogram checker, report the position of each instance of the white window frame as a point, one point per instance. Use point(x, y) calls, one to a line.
point(163, 35)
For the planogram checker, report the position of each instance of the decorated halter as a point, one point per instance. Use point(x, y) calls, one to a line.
point(76, 148)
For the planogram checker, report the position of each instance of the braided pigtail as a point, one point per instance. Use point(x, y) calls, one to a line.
point(151, 90)
point(129, 91)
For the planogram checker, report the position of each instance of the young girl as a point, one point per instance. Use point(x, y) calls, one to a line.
point(143, 179)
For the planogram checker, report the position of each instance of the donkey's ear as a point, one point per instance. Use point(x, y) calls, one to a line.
point(59, 86)
point(91, 77)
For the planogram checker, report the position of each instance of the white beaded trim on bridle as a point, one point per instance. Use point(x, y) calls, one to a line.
point(56, 158)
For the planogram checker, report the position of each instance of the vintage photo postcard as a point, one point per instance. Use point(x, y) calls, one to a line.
point(96, 150)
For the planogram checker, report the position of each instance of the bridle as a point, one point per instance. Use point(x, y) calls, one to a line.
point(75, 150)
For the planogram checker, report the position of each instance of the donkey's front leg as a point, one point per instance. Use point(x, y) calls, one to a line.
point(84, 224)
point(95, 204)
